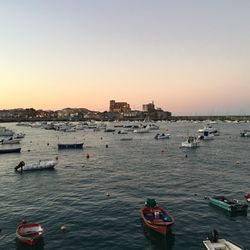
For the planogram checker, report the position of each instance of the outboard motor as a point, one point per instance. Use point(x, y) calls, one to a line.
point(20, 165)
point(214, 236)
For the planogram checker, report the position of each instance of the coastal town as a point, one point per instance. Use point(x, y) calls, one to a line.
point(118, 111)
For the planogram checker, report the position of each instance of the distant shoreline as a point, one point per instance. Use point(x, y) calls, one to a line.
point(172, 118)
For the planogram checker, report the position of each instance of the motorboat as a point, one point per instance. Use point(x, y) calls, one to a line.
point(191, 142)
point(160, 136)
point(70, 145)
point(6, 132)
point(245, 133)
point(209, 129)
point(206, 136)
point(156, 218)
point(29, 233)
point(215, 243)
point(229, 205)
point(41, 165)
point(9, 150)
point(10, 140)
point(18, 135)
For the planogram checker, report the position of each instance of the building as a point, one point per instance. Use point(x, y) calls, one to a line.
point(150, 107)
point(120, 107)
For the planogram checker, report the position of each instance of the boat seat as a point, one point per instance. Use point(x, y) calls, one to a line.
point(216, 246)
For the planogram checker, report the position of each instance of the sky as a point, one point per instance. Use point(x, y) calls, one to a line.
point(191, 57)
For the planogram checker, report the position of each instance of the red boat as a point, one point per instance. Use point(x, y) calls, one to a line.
point(156, 218)
point(29, 233)
point(247, 197)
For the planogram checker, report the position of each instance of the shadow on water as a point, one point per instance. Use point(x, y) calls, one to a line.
point(159, 241)
point(22, 246)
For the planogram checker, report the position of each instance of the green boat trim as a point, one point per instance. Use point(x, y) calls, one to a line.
point(231, 206)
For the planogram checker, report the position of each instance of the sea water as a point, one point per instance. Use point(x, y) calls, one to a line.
point(97, 199)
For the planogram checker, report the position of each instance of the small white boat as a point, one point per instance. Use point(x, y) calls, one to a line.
point(245, 133)
point(215, 243)
point(41, 165)
point(11, 140)
point(18, 136)
point(162, 136)
point(191, 142)
point(206, 136)
point(142, 130)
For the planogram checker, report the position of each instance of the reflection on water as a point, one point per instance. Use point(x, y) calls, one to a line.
point(159, 241)
point(38, 246)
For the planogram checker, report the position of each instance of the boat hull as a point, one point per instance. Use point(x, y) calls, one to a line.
point(10, 150)
point(161, 224)
point(29, 234)
point(221, 244)
point(230, 206)
point(70, 146)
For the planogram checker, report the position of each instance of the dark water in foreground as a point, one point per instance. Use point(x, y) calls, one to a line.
point(74, 194)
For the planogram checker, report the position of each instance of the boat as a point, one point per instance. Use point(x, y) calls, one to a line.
point(109, 130)
point(156, 218)
point(206, 136)
point(19, 135)
point(29, 233)
point(70, 146)
point(159, 136)
point(247, 197)
point(10, 140)
point(41, 165)
point(126, 139)
point(215, 243)
point(6, 132)
point(191, 142)
point(245, 133)
point(209, 129)
point(232, 206)
point(9, 150)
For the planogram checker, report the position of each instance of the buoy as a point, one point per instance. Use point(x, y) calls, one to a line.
point(107, 145)
point(101, 138)
point(87, 156)
point(107, 194)
point(186, 156)
point(57, 158)
point(63, 228)
point(47, 144)
point(24, 221)
point(237, 162)
point(28, 150)
point(162, 151)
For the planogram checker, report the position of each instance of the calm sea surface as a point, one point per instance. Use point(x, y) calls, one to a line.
point(74, 194)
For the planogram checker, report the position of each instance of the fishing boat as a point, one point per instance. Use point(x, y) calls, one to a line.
point(156, 218)
point(29, 233)
point(41, 165)
point(232, 206)
point(161, 136)
point(70, 146)
point(10, 140)
point(247, 197)
point(191, 142)
point(9, 150)
point(215, 243)
point(245, 133)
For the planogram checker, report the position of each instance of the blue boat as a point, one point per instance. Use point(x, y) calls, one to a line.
point(9, 150)
point(70, 146)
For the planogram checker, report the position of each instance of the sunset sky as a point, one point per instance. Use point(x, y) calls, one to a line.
point(190, 57)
